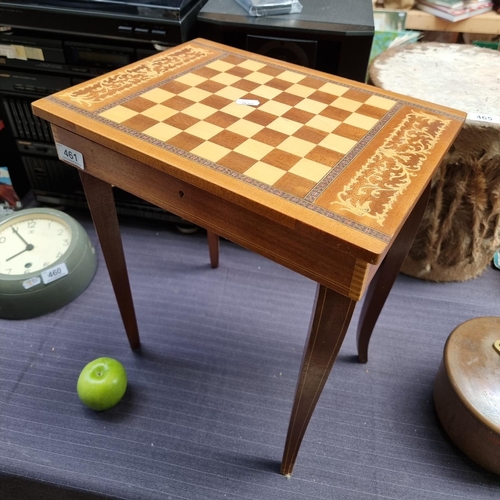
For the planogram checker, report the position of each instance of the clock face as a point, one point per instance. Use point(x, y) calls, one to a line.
point(32, 242)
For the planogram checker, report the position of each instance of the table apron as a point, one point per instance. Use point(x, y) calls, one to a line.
point(330, 267)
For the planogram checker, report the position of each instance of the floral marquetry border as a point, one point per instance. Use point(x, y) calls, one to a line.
point(384, 177)
point(116, 84)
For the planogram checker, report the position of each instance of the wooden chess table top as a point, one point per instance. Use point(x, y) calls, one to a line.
point(324, 156)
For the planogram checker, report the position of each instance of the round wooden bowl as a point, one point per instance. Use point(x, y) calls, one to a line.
point(467, 390)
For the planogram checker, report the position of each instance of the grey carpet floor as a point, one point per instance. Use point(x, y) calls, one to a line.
point(210, 393)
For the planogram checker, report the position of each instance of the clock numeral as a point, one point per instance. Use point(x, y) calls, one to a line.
point(3, 239)
point(31, 224)
point(45, 264)
point(8, 271)
point(27, 271)
point(59, 254)
point(65, 243)
point(60, 231)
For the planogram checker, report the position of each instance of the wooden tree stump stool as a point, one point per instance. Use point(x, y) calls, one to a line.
point(460, 230)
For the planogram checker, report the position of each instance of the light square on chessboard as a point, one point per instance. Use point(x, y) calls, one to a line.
point(157, 95)
point(346, 104)
point(161, 131)
point(291, 76)
point(194, 94)
point(338, 143)
point(118, 114)
point(380, 102)
point(333, 89)
point(296, 146)
point(265, 173)
point(211, 151)
point(265, 91)
point(204, 130)
point(225, 78)
point(310, 169)
point(245, 128)
point(260, 78)
point(275, 108)
point(238, 110)
point(159, 112)
point(199, 111)
point(253, 149)
point(314, 107)
point(323, 123)
point(191, 79)
point(231, 93)
point(251, 65)
point(361, 121)
point(284, 125)
point(300, 90)
point(219, 65)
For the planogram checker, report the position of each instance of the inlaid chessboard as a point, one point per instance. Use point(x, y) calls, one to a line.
point(344, 151)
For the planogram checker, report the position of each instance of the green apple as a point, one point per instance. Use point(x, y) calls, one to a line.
point(102, 383)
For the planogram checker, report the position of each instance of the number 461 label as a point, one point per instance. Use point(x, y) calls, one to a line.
point(70, 155)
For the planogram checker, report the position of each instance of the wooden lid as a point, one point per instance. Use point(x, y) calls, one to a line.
point(473, 367)
point(333, 160)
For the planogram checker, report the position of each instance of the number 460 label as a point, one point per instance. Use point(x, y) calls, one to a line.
point(70, 155)
point(54, 273)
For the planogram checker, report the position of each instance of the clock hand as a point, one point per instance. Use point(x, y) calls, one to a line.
point(23, 240)
point(27, 249)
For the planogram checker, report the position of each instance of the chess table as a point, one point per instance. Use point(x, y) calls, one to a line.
point(323, 175)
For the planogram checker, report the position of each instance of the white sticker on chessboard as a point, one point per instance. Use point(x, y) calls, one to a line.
point(248, 102)
point(479, 117)
point(70, 155)
point(54, 273)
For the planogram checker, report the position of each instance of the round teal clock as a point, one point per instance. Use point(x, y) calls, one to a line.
point(46, 261)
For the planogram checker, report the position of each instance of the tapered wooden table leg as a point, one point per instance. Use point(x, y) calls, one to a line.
point(329, 324)
point(384, 278)
point(213, 249)
point(102, 208)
